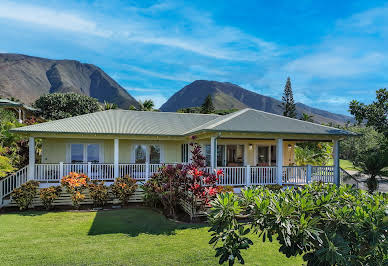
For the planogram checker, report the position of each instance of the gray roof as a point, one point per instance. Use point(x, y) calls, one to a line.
point(123, 122)
point(255, 121)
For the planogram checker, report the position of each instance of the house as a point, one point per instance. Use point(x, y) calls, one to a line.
point(21, 110)
point(251, 146)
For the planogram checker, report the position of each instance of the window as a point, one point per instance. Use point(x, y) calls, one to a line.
point(220, 155)
point(154, 154)
point(185, 153)
point(207, 152)
point(77, 153)
point(82, 153)
point(263, 155)
point(93, 153)
point(140, 154)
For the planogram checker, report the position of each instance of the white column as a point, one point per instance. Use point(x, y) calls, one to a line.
point(279, 160)
point(213, 152)
point(20, 115)
point(248, 176)
point(31, 158)
point(336, 162)
point(116, 158)
point(60, 170)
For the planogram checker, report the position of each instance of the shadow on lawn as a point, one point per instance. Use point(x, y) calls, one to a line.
point(135, 221)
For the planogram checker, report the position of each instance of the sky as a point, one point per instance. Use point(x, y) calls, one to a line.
point(333, 51)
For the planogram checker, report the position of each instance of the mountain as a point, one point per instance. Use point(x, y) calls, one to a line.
point(27, 78)
point(227, 96)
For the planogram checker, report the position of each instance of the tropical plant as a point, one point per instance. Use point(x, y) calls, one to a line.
point(109, 106)
point(24, 195)
point(123, 188)
point(328, 225)
point(62, 105)
point(75, 184)
point(99, 193)
point(307, 117)
point(288, 104)
point(374, 114)
point(48, 195)
point(312, 153)
point(207, 106)
point(5, 164)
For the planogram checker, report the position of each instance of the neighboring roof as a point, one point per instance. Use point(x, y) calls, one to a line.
point(9, 103)
point(255, 121)
point(122, 122)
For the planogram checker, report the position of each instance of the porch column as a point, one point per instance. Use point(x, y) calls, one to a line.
point(279, 161)
point(116, 158)
point(336, 162)
point(31, 158)
point(213, 152)
point(20, 115)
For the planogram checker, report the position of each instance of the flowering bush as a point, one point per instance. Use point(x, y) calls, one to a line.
point(123, 188)
point(165, 187)
point(172, 182)
point(24, 195)
point(99, 193)
point(48, 195)
point(75, 183)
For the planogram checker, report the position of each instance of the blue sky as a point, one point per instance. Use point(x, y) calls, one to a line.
point(334, 51)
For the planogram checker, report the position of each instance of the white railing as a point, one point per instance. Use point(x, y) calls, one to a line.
point(233, 176)
point(15, 180)
point(324, 174)
point(294, 175)
point(47, 172)
point(263, 175)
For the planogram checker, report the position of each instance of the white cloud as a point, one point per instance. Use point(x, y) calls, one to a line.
point(50, 18)
point(199, 34)
point(140, 89)
point(161, 75)
point(158, 99)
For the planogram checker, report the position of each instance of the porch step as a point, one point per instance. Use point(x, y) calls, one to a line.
point(64, 199)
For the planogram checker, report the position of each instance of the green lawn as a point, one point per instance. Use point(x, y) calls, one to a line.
point(134, 236)
point(345, 164)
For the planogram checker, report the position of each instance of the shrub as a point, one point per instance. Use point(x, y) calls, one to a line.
point(326, 224)
point(123, 188)
point(75, 183)
point(24, 195)
point(99, 193)
point(48, 195)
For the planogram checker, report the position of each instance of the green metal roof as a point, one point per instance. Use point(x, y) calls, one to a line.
point(9, 103)
point(255, 121)
point(123, 122)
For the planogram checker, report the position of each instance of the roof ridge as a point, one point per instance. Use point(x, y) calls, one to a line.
point(225, 118)
point(316, 124)
point(161, 112)
point(229, 117)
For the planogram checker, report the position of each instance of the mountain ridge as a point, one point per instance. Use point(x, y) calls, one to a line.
point(227, 95)
point(28, 77)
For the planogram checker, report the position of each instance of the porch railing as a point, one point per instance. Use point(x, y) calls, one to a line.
point(15, 180)
point(233, 176)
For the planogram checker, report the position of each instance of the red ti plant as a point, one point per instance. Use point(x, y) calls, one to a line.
point(203, 184)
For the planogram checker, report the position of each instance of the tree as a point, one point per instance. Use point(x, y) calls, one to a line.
point(5, 164)
point(148, 105)
point(207, 106)
point(132, 108)
point(374, 114)
point(288, 103)
point(62, 105)
point(307, 117)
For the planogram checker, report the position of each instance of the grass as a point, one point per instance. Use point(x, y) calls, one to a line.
point(345, 164)
point(133, 236)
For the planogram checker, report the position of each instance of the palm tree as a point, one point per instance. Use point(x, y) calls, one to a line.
point(307, 117)
point(147, 105)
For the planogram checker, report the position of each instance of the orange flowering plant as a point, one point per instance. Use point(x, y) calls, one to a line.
point(123, 188)
point(75, 183)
